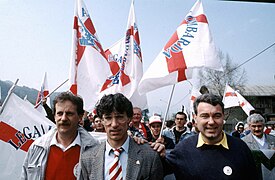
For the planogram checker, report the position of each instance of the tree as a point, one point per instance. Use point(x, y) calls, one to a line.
point(216, 80)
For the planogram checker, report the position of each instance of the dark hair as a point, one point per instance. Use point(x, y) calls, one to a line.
point(210, 99)
point(181, 113)
point(68, 96)
point(114, 103)
point(95, 116)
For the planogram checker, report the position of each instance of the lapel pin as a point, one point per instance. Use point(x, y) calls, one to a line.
point(137, 162)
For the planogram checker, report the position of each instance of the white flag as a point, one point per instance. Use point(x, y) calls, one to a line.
point(44, 91)
point(230, 98)
point(245, 105)
point(190, 46)
point(89, 67)
point(125, 62)
point(20, 125)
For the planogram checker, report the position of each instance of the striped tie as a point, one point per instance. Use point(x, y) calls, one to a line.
point(115, 172)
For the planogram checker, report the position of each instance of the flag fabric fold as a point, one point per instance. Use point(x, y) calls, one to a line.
point(20, 125)
point(230, 98)
point(44, 91)
point(191, 46)
point(89, 67)
point(245, 105)
point(125, 60)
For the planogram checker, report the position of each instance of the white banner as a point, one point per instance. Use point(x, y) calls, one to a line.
point(20, 125)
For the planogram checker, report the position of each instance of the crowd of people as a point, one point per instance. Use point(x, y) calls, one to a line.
point(189, 150)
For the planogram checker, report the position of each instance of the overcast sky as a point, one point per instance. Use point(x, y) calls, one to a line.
point(35, 37)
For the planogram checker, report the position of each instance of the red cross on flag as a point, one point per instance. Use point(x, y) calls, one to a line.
point(189, 47)
point(245, 105)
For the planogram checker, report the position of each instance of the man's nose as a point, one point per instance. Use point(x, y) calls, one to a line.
point(64, 116)
point(211, 120)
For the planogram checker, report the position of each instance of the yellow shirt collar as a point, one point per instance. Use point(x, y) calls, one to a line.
point(223, 142)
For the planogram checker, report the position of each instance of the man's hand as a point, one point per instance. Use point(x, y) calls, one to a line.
point(159, 147)
point(139, 140)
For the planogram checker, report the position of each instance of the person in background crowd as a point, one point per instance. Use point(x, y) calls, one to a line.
point(269, 128)
point(239, 128)
point(155, 124)
point(56, 154)
point(119, 156)
point(98, 124)
point(257, 139)
point(87, 123)
point(137, 128)
point(179, 131)
point(169, 124)
point(211, 154)
point(246, 130)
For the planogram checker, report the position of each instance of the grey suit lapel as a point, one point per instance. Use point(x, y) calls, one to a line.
point(98, 162)
point(134, 161)
point(254, 143)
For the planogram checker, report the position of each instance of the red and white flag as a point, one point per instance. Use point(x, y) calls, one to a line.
point(230, 98)
point(245, 105)
point(125, 62)
point(89, 67)
point(44, 91)
point(189, 47)
point(20, 125)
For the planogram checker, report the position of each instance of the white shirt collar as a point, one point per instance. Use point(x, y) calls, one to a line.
point(261, 141)
point(125, 146)
point(76, 141)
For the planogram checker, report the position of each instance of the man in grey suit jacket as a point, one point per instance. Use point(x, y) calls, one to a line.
point(256, 139)
point(138, 161)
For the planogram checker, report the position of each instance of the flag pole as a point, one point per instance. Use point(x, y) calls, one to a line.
point(167, 109)
point(8, 96)
point(51, 93)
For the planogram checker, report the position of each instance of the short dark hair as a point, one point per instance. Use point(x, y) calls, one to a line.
point(68, 96)
point(114, 103)
point(210, 99)
point(181, 113)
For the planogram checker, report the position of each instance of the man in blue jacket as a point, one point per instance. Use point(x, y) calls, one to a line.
point(211, 154)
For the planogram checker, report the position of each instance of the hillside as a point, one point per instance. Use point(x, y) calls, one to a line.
point(21, 91)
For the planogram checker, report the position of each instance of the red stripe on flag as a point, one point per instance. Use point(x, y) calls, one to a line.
point(230, 94)
point(75, 23)
point(80, 49)
point(136, 37)
point(124, 79)
point(176, 62)
point(89, 25)
point(193, 98)
point(73, 89)
point(45, 93)
point(38, 99)
point(14, 137)
point(131, 31)
point(106, 84)
point(242, 104)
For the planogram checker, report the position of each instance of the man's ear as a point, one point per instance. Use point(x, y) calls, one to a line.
point(195, 118)
point(80, 118)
